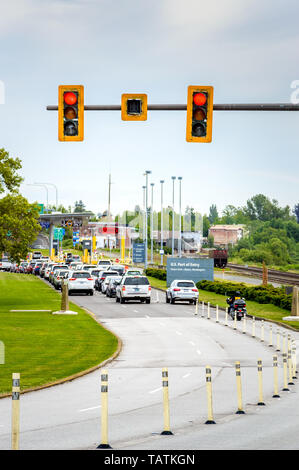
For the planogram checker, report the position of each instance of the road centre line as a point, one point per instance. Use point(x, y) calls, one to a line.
point(156, 390)
point(191, 342)
point(186, 375)
point(179, 333)
point(92, 408)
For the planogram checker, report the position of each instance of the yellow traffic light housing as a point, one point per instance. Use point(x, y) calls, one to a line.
point(70, 113)
point(133, 107)
point(199, 114)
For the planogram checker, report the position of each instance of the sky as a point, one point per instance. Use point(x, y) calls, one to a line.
point(248, 51)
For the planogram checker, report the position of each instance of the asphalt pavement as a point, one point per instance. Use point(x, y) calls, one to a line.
point(155, 336)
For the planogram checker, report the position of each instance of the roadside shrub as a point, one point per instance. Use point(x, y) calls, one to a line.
point(261, 294)
point(157, 273)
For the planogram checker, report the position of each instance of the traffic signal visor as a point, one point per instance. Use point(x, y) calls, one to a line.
point(70, 113)
point(199, 114)
point(133, 107)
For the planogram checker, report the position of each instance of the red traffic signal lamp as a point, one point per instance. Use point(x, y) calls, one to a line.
point(199, 114)
point(70, 113)
point(133, 107)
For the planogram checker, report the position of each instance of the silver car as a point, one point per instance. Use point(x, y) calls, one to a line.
point(181, 290)
point(133, 288)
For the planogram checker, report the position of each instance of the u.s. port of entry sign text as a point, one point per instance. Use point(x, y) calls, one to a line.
point(195, 269)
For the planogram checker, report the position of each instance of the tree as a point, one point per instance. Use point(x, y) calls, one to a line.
point(296, 212)
point(213, 215)
point(19, 225)
point(9, 179)
point(79, 206)
point(259, 207)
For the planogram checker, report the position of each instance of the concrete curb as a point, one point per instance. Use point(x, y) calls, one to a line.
point(78, 374)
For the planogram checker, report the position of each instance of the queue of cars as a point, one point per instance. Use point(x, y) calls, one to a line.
point(112, 280)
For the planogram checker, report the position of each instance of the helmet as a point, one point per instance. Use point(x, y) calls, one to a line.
point(238, 292)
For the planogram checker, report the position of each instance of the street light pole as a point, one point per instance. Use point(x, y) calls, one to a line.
point(152, 223)
point(43, 186)
point(56, 190)
point(162, 181)
point(172, 245)
point(148, 172)
point(143, 228)
point(180, 211)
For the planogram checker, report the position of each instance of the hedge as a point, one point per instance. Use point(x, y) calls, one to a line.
point(157, 273)
point(261, 294)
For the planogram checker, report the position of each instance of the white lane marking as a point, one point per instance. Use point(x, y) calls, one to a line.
point(123, 306)
point(146, 316)
point(136, 311)
point(179, 333)
point(156, 390)
point(191, 342)
point(186, 375)
point(92, 408)
point(198, 351)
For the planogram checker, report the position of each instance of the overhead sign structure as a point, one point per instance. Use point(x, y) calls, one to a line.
point(199, 114)
point(133, 107)
point(71, 222)
point(192, 269)
point(138, 252)
point(70, 113)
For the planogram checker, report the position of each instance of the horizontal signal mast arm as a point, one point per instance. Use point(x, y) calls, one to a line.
point(183, 107)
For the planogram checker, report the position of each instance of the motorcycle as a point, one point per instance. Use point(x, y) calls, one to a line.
point(238, 308)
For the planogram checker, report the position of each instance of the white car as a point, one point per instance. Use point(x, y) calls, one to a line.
point(80, 282)
point(94, 272)
point(74, 265)
point(48, 270)
point(5, 264)
point(106, 281)
point(133, 288)
point(185, 290)
point(134, 272)
point(104, 263)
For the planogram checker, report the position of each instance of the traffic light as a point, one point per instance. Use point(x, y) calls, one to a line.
point(199, 114)
point(70, 113)
point(134, 107)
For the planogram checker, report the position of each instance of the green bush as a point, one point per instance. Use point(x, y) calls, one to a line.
point(157, 273)
point(261, 294)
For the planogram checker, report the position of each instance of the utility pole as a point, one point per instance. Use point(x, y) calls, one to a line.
point(152, 223)
point(148, 172)
point(109, 198)
point(180, 213)
point(172, 245)
point(162, 181)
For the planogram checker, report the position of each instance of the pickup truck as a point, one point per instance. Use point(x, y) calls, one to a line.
point(5, 264)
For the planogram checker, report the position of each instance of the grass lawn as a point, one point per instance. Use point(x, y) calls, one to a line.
point(266, 311)
point(45, 251)
point(44, 347)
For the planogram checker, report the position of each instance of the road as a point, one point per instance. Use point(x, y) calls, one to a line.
point(155, 336)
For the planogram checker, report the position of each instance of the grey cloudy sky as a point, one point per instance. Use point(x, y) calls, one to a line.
point(248, 50)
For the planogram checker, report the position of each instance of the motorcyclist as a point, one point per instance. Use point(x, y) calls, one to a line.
point(231, 300)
